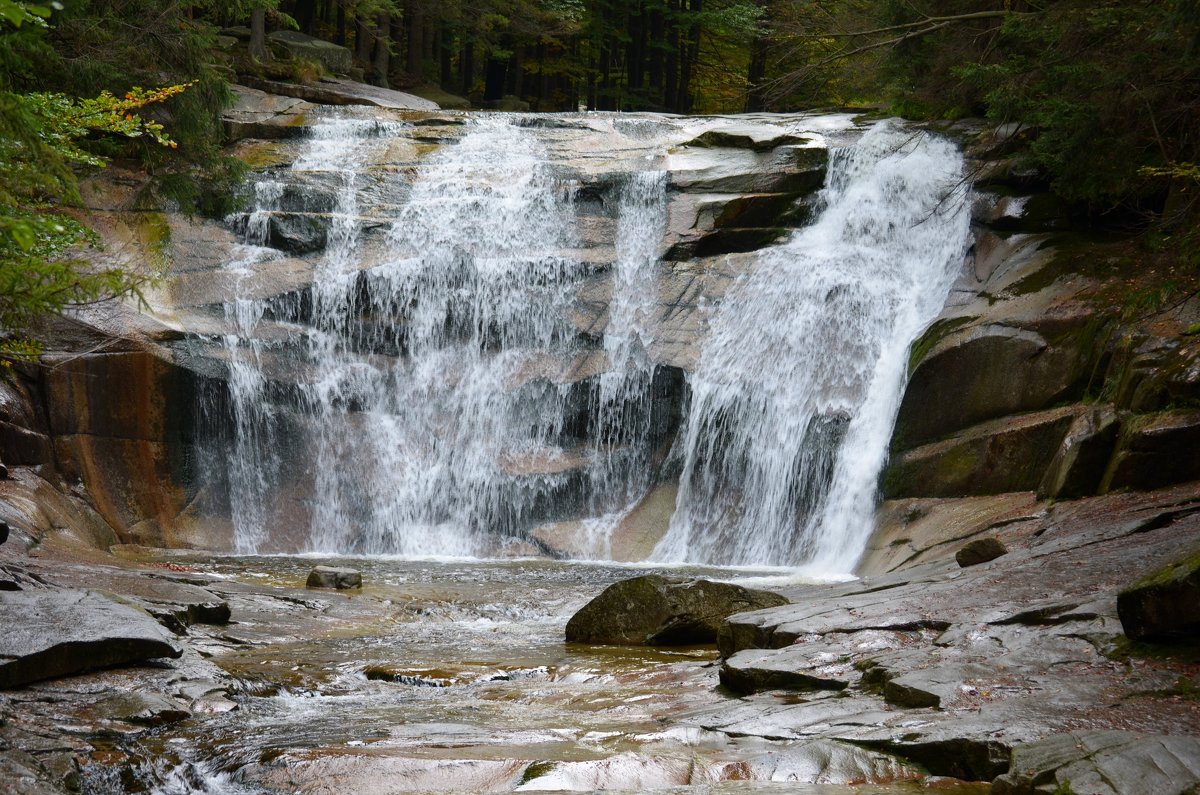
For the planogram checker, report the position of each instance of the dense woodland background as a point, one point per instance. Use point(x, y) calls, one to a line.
point(1103, 95)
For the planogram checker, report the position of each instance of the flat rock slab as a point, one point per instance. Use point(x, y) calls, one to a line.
point(176, 605)
point(346, 92)
point(1104, 763)
point(48, 634)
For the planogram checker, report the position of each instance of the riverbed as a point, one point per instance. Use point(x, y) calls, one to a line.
point(453, 676)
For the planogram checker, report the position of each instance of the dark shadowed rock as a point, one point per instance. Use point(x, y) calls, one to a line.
point(330, 577)
point(1103, 763)
point(1156, 450)
point(991, 370)
point(1164, 605)
point(1080, 462)
point(661, 611)
point(332, 56)
point(48, 634)
point(981, 550)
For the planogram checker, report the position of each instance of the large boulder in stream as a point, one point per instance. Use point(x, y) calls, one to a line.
point(663, 611)
point(48, 634)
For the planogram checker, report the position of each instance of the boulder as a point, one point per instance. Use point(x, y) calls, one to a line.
point(333, 57)
point(756, 138)
point(663, 611)
point(1164, 605)
point(1103, 763)
point(257, 114)
point(48, 634)
point(967, 375)
point(981, 550)
point(508, 104)
point(1156, 450)
point(339, 91)
point(298, 233)
point(331, 577)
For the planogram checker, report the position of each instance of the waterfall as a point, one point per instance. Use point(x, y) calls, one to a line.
point(801, 375)
point(438, 410)
point(428, 390)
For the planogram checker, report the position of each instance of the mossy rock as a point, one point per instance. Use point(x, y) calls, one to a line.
point(1165, 604)
point(996, 457)
point(663, 611)
point(1155, 450)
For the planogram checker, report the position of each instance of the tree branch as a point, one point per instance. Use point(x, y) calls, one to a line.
point(928, 21)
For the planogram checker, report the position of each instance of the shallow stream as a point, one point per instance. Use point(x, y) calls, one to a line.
point(453, 676)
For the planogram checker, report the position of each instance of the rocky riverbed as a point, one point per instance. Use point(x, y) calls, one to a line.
point(225, 674)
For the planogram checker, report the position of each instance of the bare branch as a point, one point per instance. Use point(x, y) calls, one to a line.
point(928, 21)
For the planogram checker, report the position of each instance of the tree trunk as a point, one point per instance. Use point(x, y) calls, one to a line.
point(362, 40)
point(383, 45)
point(445, 52)
point(655, 71)
point(494, 76)
point(258, 35)
point(340, 36)
point(686, 100)
point(671, 67)
point(415, 28)
point(756, 76)
point(466, 67)
point(306, 15)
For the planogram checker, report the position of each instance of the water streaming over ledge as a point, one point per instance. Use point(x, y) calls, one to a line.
point(429, 394)
point(802, 373)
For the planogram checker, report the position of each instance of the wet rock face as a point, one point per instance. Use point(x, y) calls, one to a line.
point(954, 668)
point(660, 611)
point(1163, 605)
point(1104, 763)
point(56, 633)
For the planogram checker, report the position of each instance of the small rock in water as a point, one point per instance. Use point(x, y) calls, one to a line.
point(981, 550)
point(330, 577)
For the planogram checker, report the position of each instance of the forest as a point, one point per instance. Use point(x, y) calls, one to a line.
point(1102, 97)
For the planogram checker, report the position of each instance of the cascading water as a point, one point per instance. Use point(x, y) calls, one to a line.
point(438, 412)
point(429, 393)
point(799, 381)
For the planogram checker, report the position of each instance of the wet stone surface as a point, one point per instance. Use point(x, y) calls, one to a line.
point(434, 677)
